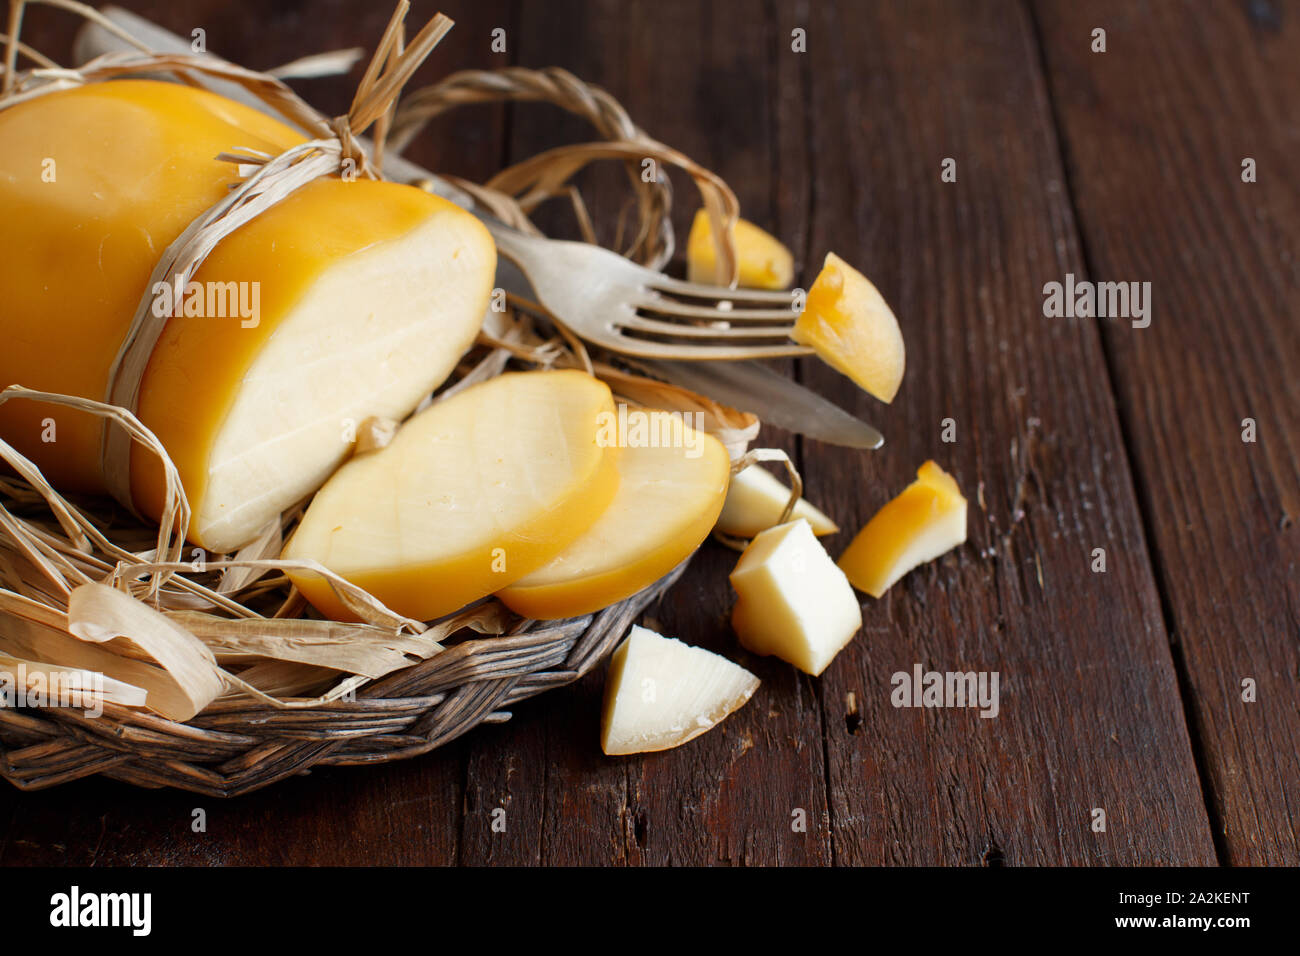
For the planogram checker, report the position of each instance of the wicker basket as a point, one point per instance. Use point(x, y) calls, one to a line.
point(237, 745)
point(240, 746)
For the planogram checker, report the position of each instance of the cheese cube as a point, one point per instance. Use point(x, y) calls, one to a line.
point(794, 602)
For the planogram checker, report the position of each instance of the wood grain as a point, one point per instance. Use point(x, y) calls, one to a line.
point(1155, 133)
point(840, 148)
point(1090, 714)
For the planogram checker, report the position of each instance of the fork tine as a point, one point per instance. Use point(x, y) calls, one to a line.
point(644, 324)
point(671, 307)
point(665, 283)
point(722, 353)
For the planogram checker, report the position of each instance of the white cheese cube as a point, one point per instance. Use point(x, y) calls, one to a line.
point(794, 602)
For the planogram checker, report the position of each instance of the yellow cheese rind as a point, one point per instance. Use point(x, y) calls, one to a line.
point(764, 262)
point(847, 321)
point(472, 494)
point(130, 165)
point(668, 499)
point(927, 519)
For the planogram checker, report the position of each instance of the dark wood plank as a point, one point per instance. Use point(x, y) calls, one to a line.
point(391, 815)
point(407, 813)
point(1090, 713)
point(704, 79)
point(1156, 130)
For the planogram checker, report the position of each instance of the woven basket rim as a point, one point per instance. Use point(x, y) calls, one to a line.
point(234, 747)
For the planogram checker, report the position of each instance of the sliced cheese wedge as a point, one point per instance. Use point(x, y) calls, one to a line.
point(927, 519)
point(345, 301)
point(755, 501)
point(660, 693)
point(472, 494)
point(669, 495)
point(850, 325)
point(764, 262)
point(793, 602)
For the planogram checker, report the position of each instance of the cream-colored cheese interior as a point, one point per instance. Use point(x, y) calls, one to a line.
point(661, 693)
point(373, 336)
point(755, 500)
point(794, 602)
point(462, 476)
point(662, 495)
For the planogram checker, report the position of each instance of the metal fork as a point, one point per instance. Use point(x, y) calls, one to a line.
point(612, 302)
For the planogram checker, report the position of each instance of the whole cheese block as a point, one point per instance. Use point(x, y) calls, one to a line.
point(346, 300)
point(472, 494)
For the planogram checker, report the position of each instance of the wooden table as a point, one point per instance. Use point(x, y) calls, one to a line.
point(1120, 691)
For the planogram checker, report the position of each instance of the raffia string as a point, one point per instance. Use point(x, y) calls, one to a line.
point(653, 242)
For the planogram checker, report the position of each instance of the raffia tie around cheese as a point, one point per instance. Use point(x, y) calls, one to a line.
point(672, 482)
point(925, 520)
point(472, 494)
point(660, 693)
point(344, 301)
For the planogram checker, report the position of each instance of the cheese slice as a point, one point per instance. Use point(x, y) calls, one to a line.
point(472, 494)
point(925, 520)
point(850, 325)
point(660, 693)
point(669, 495)
point(764, 262)
point(345, 301)
point(755, 501)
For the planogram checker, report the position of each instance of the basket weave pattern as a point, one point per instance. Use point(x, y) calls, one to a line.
point(239, 746)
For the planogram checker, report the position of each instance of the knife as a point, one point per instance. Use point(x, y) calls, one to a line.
point(754, 387)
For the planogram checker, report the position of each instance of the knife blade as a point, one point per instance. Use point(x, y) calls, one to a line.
point(754, 387)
